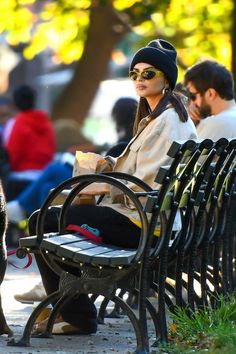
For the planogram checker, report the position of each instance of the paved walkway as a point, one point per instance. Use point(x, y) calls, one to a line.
point(116, 336)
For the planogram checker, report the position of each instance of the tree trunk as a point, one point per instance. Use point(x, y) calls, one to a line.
point(105, 30)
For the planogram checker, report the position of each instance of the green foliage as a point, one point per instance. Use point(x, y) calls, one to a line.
point(198, 28)
point(60, 25)
point(211, 330)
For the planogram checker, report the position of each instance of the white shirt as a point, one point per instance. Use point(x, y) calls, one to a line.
point(222, 125)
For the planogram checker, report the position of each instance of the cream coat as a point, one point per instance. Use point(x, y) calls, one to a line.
point(147, 151)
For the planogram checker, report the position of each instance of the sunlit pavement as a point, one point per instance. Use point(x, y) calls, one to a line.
point(116, 336)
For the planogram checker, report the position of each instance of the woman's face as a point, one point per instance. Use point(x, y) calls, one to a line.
point(148, 88)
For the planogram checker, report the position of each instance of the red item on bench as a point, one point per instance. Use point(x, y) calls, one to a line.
point(82, 231)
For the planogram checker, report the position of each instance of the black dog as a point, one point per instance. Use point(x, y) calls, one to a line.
point(4, 329)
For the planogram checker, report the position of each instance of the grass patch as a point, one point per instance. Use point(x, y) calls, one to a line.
point(207, 330)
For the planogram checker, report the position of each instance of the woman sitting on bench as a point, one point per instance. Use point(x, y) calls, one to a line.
point(161, 118)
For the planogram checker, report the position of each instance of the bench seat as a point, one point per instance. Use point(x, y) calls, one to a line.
point(77, 248)
point(80, 250)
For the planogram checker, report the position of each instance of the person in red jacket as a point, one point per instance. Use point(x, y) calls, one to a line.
point(30, 142)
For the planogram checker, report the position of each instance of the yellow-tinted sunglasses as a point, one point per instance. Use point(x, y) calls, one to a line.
point(146, 74)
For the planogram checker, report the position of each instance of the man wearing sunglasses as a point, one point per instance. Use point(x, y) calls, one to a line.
point(210, 89)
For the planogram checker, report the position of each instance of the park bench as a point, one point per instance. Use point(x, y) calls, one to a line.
point(199, 184)
point(210, 243)
point(204, 248)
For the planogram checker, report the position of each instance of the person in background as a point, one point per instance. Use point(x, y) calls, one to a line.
point(211, 92)
point(161, 118)
point(123, 114)
point(69, 137)
point(29, 141)
point(6, 113)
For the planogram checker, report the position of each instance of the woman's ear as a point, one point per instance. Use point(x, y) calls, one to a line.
point(166, 83)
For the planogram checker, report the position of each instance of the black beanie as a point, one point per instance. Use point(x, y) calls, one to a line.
point(162, 55)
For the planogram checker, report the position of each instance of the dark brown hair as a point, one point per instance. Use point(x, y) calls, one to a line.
point(211, 74)
point(170, 98)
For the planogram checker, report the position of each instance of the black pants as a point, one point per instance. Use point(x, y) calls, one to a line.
point(114, 228)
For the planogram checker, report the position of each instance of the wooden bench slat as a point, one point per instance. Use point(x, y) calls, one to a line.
point(68, 251)
point(115, 257)
point(86, 256)
point(51, 244)
point(101, 255)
